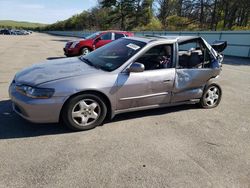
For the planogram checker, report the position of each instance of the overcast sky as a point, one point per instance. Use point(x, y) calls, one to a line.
point(42, 11)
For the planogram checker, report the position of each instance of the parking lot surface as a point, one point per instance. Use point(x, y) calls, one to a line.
point(182, 146)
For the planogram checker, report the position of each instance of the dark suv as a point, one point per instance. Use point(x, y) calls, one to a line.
point(5, 32)
point(92, 42)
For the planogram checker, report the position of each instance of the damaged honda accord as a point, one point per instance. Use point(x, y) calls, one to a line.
point(129, 74)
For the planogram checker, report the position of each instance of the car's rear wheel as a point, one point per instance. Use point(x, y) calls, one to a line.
point(84, 112)
point(85, 51)
point(211, 96)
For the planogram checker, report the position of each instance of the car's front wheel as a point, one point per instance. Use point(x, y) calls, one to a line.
point(211, 96)
point(85, 51)
point(84, 112)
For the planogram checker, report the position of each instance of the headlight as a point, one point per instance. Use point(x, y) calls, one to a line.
point(33, 92)
point(68, 44)
point(74, 44)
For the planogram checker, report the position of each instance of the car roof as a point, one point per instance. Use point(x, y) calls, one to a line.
point(115, 31)
point(169, 38)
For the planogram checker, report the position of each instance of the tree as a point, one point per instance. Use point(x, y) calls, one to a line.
point(121, 11)
point(169, 15)
point(179, 7)
point(213, 23)
point(147, 11)
point(164, 11)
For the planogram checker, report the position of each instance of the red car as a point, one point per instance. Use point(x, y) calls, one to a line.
point(92, 42)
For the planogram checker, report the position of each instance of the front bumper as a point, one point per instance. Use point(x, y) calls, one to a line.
point(36, 110)
point(71, 51)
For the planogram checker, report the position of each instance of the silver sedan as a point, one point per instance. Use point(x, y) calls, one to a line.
point(129, 74)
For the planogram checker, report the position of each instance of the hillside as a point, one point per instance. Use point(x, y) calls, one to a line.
point(18, 24)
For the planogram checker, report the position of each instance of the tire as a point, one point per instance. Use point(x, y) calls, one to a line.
point(84, 51)
point(211, 96)
point(84, 112)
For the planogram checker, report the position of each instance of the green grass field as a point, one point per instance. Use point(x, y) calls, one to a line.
point(17, 24)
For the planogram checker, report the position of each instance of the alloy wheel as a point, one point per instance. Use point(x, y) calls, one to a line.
point(86, 112)
point(85, 51)
point(212, 96)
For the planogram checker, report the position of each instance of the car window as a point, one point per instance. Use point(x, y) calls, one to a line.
point(93, 36)
point(118, 35)
point(114, 54)
point(158, 57)
point(106, 36)
point(194, 54)
point(188, 46)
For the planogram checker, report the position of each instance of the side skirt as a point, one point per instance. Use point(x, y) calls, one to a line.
point(193, 101)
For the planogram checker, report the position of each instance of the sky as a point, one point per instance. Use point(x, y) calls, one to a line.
point(42, 11)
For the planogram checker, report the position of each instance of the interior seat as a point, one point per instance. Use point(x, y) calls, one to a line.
point(194, 60)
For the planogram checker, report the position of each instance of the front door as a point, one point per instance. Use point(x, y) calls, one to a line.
point(151, 87)
point(145, 88)
point(104, 39)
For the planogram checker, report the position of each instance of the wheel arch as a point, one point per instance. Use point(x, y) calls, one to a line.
point(103, 96)
point(213, 81)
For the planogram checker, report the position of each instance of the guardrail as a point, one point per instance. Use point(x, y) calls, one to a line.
point(238, 41)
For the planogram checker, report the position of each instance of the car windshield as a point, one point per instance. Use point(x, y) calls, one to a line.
point(114, 54)
point(92, 36)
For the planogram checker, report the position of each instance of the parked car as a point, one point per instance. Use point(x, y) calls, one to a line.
point(126, 75)
point(14, 32)
point(21, 32)
point(92, 42)
point(5, 32)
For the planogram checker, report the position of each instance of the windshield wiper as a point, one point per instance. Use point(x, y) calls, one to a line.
point(89, 62)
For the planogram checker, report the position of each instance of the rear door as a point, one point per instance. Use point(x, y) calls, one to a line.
point(194, 69)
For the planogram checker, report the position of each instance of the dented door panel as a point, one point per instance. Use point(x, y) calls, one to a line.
point(189, 83)
point(145, 88)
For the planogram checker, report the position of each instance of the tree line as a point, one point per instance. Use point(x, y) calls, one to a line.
point(170, 15)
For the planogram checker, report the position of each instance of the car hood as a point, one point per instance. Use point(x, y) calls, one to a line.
point(80, 40)
point(54, 70)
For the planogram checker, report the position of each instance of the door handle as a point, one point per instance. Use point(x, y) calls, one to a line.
point(166, 81)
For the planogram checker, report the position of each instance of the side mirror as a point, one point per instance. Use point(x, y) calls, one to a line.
point(97, 39)
point(136, 67)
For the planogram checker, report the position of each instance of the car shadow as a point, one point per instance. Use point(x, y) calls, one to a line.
point(229, 60)
point(12, 126)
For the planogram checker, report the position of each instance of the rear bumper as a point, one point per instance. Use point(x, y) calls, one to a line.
point(71, 51)
point(36, 110)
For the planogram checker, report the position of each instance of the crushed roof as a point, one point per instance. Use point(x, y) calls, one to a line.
point(149, 38)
